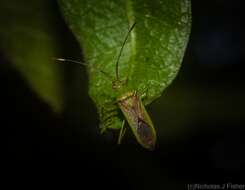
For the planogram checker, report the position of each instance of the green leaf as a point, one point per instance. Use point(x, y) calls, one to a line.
point(151, 57)
point(28, 39)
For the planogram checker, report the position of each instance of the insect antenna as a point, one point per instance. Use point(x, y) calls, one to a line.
point(120, 52)
point(83, 64)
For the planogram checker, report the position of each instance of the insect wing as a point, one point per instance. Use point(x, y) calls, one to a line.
point(139, 120)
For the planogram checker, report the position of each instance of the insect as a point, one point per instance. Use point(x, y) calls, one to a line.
point(131, 105)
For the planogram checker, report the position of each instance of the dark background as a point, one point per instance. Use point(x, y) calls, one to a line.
point(200, 119)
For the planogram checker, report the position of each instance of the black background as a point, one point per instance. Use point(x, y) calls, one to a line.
point(67, 149)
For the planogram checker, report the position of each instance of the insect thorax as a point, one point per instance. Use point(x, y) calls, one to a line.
point(126, 96)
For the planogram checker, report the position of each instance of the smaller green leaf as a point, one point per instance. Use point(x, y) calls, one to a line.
point(28, 39)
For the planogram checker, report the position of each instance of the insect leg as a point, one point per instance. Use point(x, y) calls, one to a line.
point(121, 133)
point(144, 95)
point(106, 115)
